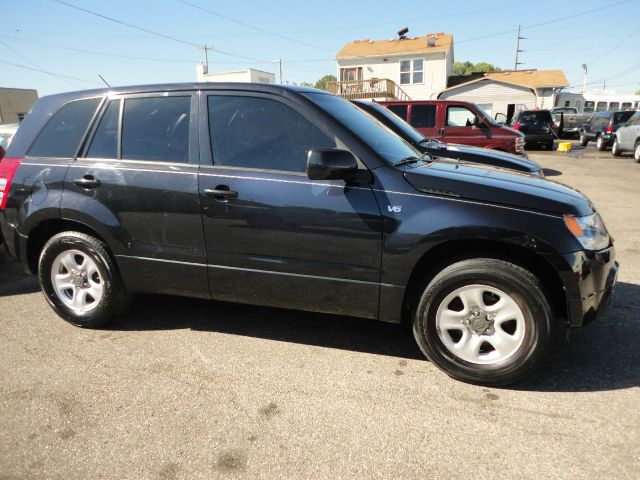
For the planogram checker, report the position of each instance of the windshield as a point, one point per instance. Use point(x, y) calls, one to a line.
point(487, 118)
point(534, 116)
point(383, 141)
point(621, 117)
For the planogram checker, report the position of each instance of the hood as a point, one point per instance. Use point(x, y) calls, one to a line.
point(484, 184)
point(496, 158)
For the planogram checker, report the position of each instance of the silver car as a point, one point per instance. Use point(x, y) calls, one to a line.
point(628, 138)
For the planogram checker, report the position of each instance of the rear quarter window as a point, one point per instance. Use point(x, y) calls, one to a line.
point(62, 135)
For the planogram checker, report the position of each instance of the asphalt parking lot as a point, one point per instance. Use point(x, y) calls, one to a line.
point(187, 389)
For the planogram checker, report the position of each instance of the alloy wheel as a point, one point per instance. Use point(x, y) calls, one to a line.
point(480, 324)
point(77, 281)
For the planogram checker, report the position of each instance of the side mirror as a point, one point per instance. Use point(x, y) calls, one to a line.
point(331, 165)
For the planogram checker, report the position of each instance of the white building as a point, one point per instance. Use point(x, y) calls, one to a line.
point(403, 68)
point(250, 75)
point(15, 103)
point(509, 91)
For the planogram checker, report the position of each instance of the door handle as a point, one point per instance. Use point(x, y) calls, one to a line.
point(442, 132)
point(88, 181)
point(221, 192)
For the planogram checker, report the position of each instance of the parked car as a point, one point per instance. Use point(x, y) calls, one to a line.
point(627, 138)
point(457, 122)
point(601, 128)
point(537, 126)
point(446, 151)
point(569, 121)
point(293, 197)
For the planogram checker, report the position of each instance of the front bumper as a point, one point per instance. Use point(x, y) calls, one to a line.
point(589, 283)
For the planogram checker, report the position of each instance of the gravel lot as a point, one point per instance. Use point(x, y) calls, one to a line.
point(191, 389)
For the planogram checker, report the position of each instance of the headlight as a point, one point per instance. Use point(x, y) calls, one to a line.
point(589, 230)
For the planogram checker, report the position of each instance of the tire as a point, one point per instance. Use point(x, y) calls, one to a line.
point(583, 140)
point(615, 148)
point(550, 145)
point(636, 152)
point(80, 280)
point(600, 144)
point(498, 353)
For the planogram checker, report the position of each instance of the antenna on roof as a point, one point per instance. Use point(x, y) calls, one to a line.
point(105, 82)
point(402, 34)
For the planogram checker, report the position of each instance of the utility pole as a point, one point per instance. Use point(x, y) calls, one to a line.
point(584, 80)
point(279, 62)
point(206, 49)
point(518, 51)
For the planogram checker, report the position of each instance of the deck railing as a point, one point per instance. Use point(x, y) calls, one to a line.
point(374, 88)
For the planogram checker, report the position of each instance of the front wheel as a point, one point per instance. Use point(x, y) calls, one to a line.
point(79, 280)
point(484, 321)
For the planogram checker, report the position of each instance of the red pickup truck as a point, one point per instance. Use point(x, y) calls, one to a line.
point(457, 122)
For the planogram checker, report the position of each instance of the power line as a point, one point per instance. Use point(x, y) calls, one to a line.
point(91, 52)
point(542, 24)
point(151, 32)
point(48, 72)
point(38, 67)
point(126, 24)
point(248, 25)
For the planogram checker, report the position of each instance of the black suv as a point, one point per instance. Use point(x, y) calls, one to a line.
point(444, 151)
point(537, 126)
point(295, 198)
point(602, 127)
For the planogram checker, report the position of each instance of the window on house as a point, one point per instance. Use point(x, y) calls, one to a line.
point(411, 71)
point(21, 116)
point(350, 74)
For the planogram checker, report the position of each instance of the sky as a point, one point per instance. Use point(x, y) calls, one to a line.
point(53, 47)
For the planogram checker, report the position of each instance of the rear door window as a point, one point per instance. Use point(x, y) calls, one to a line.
point(399, 110)
point(156, 129)
point(256, 132)
point(423, 116)
point(62, 135)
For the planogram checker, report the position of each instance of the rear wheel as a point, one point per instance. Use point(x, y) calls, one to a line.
point(79, 280)
point(600, 144)
point(484, 321)
point(583, 140)
point(615, 148)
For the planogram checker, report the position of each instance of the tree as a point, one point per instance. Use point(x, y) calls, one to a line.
point(467, 68)
point(322, 83)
